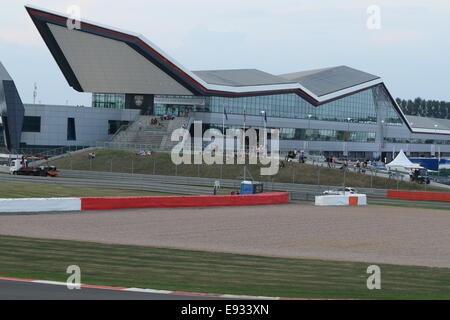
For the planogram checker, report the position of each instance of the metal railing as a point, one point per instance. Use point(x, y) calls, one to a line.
point(120, 177)
point(128, 146)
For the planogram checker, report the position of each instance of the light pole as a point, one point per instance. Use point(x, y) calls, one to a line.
point(348, 136)
point(435, 148)
point(346, 152)
point(263, 114)
point(309, 130)
point(435, 135)
point(382, 142)
point(410, 138)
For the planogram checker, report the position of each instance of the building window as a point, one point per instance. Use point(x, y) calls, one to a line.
point(71, 133)
point(311, 134)
point(108, 100)
point(31, 124)
point(360, 107)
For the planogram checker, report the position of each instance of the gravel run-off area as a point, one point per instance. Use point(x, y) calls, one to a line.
point(377, 234)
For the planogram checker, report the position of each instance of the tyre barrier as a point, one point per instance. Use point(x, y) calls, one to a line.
point(418, 195)
point(109, 203)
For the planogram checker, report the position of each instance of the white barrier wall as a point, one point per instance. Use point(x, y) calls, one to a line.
point(40, 204)
point(341, 200)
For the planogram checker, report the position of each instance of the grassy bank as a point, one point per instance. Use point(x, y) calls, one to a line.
point(405, 205)
point(161, 164)
point(148, 267)
point(41, 190)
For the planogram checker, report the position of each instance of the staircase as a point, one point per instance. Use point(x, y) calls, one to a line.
point(166, 142)
point(142, 132)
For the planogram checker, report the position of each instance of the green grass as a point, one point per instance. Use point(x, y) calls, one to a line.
point(38, 190)
point(161, 164)
point(172, 269)
point(405, 205)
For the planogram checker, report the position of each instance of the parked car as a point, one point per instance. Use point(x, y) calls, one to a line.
point(338, 191)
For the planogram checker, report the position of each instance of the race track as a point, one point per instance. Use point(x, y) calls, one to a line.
point(18, 290)
point(378, 234)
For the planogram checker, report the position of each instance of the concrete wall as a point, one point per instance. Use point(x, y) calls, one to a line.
point(91, 124)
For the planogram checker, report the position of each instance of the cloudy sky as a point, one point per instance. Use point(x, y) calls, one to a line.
point(410, 50)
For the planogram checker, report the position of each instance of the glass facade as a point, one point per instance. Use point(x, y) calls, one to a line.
point(108, 100)
point(197, 104)
point(313, 134)
point(369, 106)
point(415, 141)
point(386, 109)
point(360, 107)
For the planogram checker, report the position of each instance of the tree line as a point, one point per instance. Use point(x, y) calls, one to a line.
point(425, 108)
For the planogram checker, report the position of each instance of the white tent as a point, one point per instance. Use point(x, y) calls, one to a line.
point(402, 161)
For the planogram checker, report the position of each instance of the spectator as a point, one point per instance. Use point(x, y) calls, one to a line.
point(344, 165)
point(302, 157)
point(364, 166)
point(329, 160)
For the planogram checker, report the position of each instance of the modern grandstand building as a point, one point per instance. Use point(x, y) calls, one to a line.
point(338, 110)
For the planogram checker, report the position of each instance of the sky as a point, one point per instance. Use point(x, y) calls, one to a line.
point(406, 42)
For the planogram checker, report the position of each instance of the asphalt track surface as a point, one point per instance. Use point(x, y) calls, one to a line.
point(18, 290)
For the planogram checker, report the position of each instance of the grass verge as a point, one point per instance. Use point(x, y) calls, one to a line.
point(41, 190)
point(405, 205)
point(172, 269)
point(161, 164)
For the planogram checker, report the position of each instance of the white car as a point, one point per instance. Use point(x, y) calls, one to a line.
point(340, 191)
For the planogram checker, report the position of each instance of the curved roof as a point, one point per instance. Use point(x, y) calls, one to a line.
point(328, 80)
point(97, 58)
point(240, 77)
point(429, 125)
